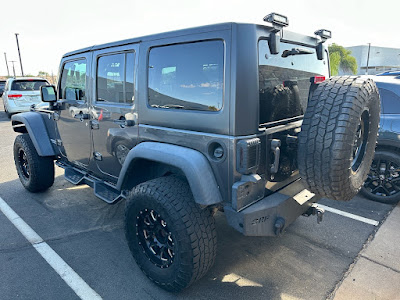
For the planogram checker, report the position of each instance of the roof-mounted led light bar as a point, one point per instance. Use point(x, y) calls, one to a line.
point(324, 34)
point(277, 20)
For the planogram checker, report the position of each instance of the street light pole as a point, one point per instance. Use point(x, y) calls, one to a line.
point(19, 53)
point(13, 61)
point(369, 47)
point(8, 71)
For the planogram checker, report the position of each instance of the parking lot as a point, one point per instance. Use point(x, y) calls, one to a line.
point(307, 262)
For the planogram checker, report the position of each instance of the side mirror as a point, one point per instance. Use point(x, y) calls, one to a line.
point(48, 93)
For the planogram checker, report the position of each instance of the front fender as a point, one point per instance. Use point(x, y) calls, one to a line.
point(35, 126)
point(192, 163)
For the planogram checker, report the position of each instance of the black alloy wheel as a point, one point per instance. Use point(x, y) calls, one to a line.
point(155, 238)
point(23, 163)
point(383, 181)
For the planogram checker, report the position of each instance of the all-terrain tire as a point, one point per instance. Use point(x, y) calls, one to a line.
point(338, 136)
point(35, 172)
point(190, 230)
point(383, 181)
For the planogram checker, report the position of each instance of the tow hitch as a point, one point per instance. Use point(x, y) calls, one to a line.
point(315, 210)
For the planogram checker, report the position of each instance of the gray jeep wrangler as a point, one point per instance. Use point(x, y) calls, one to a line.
point(238, 118)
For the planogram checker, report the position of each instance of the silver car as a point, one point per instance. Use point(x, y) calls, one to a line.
point(20, 93)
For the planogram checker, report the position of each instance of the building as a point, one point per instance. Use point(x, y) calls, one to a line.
point(381, 59)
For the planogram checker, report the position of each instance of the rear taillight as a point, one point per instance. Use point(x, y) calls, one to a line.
point(248, 155)
point(317, 79)
point(14, 96)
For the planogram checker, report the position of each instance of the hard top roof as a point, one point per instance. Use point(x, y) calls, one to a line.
point(188, 31)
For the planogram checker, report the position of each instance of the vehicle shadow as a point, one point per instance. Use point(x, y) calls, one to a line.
point(3, 116)
point(245, 267)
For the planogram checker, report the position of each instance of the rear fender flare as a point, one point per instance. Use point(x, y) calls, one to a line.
point(192, 163)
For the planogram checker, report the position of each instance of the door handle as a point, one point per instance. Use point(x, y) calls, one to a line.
point(82, 116)
point(275, 144)
point(124, 123)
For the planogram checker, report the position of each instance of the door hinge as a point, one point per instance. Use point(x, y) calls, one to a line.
point(97, 156)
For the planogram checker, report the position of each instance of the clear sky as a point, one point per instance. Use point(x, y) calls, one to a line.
point(48, 29)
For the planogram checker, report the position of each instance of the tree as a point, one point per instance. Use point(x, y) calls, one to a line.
point(341, 58)
point(43, 74)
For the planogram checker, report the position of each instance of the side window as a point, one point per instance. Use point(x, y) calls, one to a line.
point(187, 76)
point(115, 78)
point(390, 102)
point(73, 80)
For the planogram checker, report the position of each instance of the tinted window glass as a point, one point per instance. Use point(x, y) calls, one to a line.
point(27, 85)
point(390, 102)
point(187, 76)
point(115, 78)
point(73, 80)
point(284, 80)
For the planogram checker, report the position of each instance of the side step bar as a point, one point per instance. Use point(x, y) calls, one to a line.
point(102, 190)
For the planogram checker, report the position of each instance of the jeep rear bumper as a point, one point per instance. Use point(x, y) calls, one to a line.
point(272, 214)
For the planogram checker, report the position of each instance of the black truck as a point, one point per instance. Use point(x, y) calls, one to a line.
point(239, 118)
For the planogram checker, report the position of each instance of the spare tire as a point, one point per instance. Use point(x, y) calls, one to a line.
point(338, 136)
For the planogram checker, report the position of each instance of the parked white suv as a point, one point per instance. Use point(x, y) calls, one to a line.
point(20, 93)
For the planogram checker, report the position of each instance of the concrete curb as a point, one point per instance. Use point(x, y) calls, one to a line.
point(376, 273)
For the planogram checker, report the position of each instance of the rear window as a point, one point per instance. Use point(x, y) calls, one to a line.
point(284, 82)
point(27, 85)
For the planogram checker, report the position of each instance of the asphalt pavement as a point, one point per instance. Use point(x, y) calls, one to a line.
point(309, 261)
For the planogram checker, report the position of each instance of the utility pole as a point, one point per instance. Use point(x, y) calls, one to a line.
point(369, 48)
point(19, 53)
point(13, 61)
point(8, 71)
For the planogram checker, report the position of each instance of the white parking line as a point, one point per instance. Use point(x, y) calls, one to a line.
point(349, 215)
point(75, 282)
